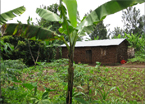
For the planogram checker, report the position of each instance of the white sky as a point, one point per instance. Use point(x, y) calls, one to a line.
point(84, 6)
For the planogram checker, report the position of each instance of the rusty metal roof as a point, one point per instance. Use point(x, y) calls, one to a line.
point(94, 43)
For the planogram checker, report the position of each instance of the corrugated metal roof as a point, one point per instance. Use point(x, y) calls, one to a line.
point(93, 43)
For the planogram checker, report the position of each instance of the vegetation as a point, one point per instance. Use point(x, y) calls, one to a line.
point(133, 23)
point(134, 32)
point(71, 28)
point(47, 83)
point(4, 17)
point(100, 31)
point(21, 50)
point(137, 42)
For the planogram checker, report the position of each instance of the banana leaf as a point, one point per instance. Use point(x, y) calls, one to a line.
point(4, 17)
point(102, 11)
point(29, 31)
point(48, 15)
point(72, 11)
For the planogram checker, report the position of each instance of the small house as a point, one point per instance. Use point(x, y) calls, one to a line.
point(107, 51)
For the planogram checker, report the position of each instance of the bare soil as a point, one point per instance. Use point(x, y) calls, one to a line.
point(127, 65)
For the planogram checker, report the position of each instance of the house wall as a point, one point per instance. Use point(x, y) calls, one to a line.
point(105, 54)
point(122, 51)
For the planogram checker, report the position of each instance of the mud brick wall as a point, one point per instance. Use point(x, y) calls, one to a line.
point(104, 54)
point(122, 51)
point(64, 52)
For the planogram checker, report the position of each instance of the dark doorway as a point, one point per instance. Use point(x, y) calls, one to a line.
point(89, 56)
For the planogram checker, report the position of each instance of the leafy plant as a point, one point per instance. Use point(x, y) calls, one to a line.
point(44, 98)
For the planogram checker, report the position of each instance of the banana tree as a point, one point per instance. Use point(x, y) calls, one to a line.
point(70, 27)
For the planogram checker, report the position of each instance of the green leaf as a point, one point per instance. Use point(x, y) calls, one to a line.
point(72, 11)
point(85, 30)
point(30, 31)
point(73, 38)
point(48, 89)
point(118, 90)
point(110, 90)
point(66, 27)
point(45, 101)
point(45, 95)
point(14, 79)
point(48, 15)
point(64, 30)
point(81, 100)
point(75, 94)
point(4, 17)
point(102, 11)
point(28, 86)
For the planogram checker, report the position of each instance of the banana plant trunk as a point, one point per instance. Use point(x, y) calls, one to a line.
point(70, 76)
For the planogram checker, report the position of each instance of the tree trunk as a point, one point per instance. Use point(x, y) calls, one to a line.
point(70, 77)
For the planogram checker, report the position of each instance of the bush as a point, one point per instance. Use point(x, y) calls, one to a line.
point(21, 50)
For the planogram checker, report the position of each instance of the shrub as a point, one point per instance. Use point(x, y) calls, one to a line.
point(21, 50)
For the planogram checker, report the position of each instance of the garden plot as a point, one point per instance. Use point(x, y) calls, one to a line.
point(91, 84)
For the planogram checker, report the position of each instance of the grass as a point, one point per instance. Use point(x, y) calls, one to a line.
point(124, 85)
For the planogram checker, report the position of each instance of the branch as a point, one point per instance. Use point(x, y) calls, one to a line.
point(38, 52)
point(31, 53)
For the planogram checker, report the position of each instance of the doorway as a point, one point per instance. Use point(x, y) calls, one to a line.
point(89, 56)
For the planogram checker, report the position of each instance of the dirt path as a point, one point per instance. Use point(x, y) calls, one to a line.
point(127, 65)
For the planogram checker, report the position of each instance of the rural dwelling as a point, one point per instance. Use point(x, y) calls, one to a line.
point(107, 51)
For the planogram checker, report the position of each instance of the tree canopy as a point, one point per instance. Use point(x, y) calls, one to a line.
point(133, 21)
point(100, 31)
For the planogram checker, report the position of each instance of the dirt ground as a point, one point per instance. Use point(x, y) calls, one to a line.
point(127, 65)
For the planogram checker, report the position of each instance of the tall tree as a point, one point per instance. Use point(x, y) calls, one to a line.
point(117, 31)
point(99, 31)
point(132, 20)
point(70, 27)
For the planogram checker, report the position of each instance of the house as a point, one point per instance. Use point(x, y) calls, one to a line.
point(107, 51)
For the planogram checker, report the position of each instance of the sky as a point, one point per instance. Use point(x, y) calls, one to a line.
point(84, 6)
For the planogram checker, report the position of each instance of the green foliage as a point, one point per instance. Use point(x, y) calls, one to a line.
point(137, 41)
point(137, 59)
point(99, 32)
point(47, 23)
point(133, 22)
point(4, 17)
point(11, 71)
point(6, 48)
point(21, 50)
point(69, 28)
point(90, 86)
point(72, 11)
point(117, 33)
